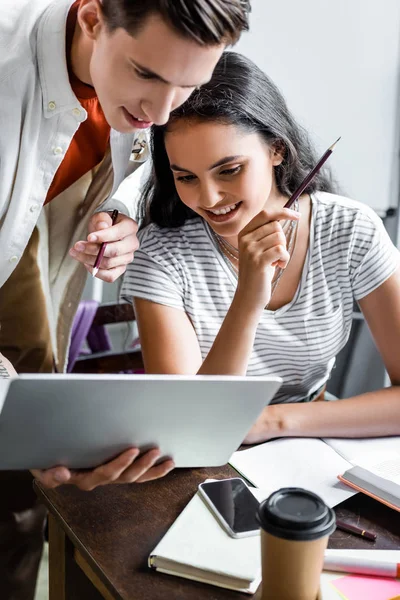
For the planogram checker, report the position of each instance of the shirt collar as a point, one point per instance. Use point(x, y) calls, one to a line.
point(56, 89)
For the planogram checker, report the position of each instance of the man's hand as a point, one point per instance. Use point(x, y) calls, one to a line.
point(126, 468)
point(121, 243)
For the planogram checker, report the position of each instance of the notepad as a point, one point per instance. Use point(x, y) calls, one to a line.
point(197, 547)
point(354, 587)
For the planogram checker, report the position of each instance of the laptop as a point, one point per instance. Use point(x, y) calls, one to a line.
point(81, 421)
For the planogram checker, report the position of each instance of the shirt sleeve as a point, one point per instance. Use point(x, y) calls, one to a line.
point(374, 258)
point(155, 274)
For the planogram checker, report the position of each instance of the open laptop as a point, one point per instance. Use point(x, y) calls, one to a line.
point(81, 421)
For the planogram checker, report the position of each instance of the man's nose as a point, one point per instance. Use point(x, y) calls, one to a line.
point(159, 107)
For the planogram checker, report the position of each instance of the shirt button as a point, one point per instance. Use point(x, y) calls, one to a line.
point(52, 105)
point(76, 112)
point(33, 207)
point(57, 150)
point(13, 258)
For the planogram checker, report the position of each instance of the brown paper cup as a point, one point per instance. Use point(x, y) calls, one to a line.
point(291, 569)
point(295, 528)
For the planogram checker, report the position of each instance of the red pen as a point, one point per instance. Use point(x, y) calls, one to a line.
point(103, 246)
point(369, 535)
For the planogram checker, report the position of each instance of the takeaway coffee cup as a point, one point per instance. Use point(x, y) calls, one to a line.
point(295, 527)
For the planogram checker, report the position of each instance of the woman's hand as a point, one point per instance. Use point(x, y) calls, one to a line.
point(270, 424)
point(126, 468)
point(262, 247)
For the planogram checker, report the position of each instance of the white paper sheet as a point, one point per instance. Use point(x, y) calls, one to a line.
point(379, 455)
point(295, 462)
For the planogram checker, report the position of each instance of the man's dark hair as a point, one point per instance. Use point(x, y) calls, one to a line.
point(208, 22)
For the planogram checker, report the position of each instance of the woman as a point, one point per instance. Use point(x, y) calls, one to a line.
point(227, 281)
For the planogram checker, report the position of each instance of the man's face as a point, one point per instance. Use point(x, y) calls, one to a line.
point(140, 80)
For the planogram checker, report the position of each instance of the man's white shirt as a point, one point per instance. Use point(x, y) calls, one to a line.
point(39, 115)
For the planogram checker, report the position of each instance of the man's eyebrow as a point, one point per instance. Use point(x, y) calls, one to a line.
point(219, 163)
point(154, 75)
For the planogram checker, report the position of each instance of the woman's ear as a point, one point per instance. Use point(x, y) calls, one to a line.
point(278, 152)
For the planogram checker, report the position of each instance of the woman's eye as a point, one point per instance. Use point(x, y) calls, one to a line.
point(232, 171)
point(186, 178)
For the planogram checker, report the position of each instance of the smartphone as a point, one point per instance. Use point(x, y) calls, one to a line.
point(233, 505)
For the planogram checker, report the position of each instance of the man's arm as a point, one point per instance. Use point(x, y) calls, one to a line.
point(6, 368)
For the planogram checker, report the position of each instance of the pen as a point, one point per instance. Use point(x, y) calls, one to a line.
point(310, 176)
point(355, 530)
point(362, 566)
point(103, 247)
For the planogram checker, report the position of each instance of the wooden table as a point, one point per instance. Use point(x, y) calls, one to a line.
point(99, 541)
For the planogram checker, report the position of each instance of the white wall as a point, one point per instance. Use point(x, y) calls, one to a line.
point(337, 62)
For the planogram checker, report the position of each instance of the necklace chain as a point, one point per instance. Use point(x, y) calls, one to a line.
point(230, 252)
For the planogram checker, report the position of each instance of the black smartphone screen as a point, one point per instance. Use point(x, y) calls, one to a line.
point(235, 503)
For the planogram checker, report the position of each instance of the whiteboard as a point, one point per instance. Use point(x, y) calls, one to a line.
point(337, 63)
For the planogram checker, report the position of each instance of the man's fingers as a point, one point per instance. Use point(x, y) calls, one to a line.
point(107, 275)
point(126, 468)
point(123, 228)
point(52, 478)
point(157, 472)
point(128, 244)
point(140, 467)
point(107, 473)
point(106, 263)
point(100, 221)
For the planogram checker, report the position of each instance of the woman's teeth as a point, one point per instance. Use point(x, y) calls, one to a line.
point(223, 211)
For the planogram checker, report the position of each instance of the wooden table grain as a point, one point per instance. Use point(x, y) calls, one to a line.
point(99, 541)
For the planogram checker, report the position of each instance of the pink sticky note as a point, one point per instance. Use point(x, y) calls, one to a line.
point(354, 587)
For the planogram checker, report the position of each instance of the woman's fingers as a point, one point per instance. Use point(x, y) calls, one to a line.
point(266, 217)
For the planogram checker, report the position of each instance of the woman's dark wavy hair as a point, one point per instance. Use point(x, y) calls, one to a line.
point(239, 93)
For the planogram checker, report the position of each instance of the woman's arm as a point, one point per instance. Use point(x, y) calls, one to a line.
point(372, 414)
point(170, 345)
point(168, 340)
point(6, 368)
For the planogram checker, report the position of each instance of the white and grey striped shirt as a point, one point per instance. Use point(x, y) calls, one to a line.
point(350, 254)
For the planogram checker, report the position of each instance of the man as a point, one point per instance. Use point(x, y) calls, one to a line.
point(79, 85)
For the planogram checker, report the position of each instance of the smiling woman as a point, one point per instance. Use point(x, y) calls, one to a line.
point(228, 281)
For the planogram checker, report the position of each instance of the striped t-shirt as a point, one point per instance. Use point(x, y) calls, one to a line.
point(350, 254)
